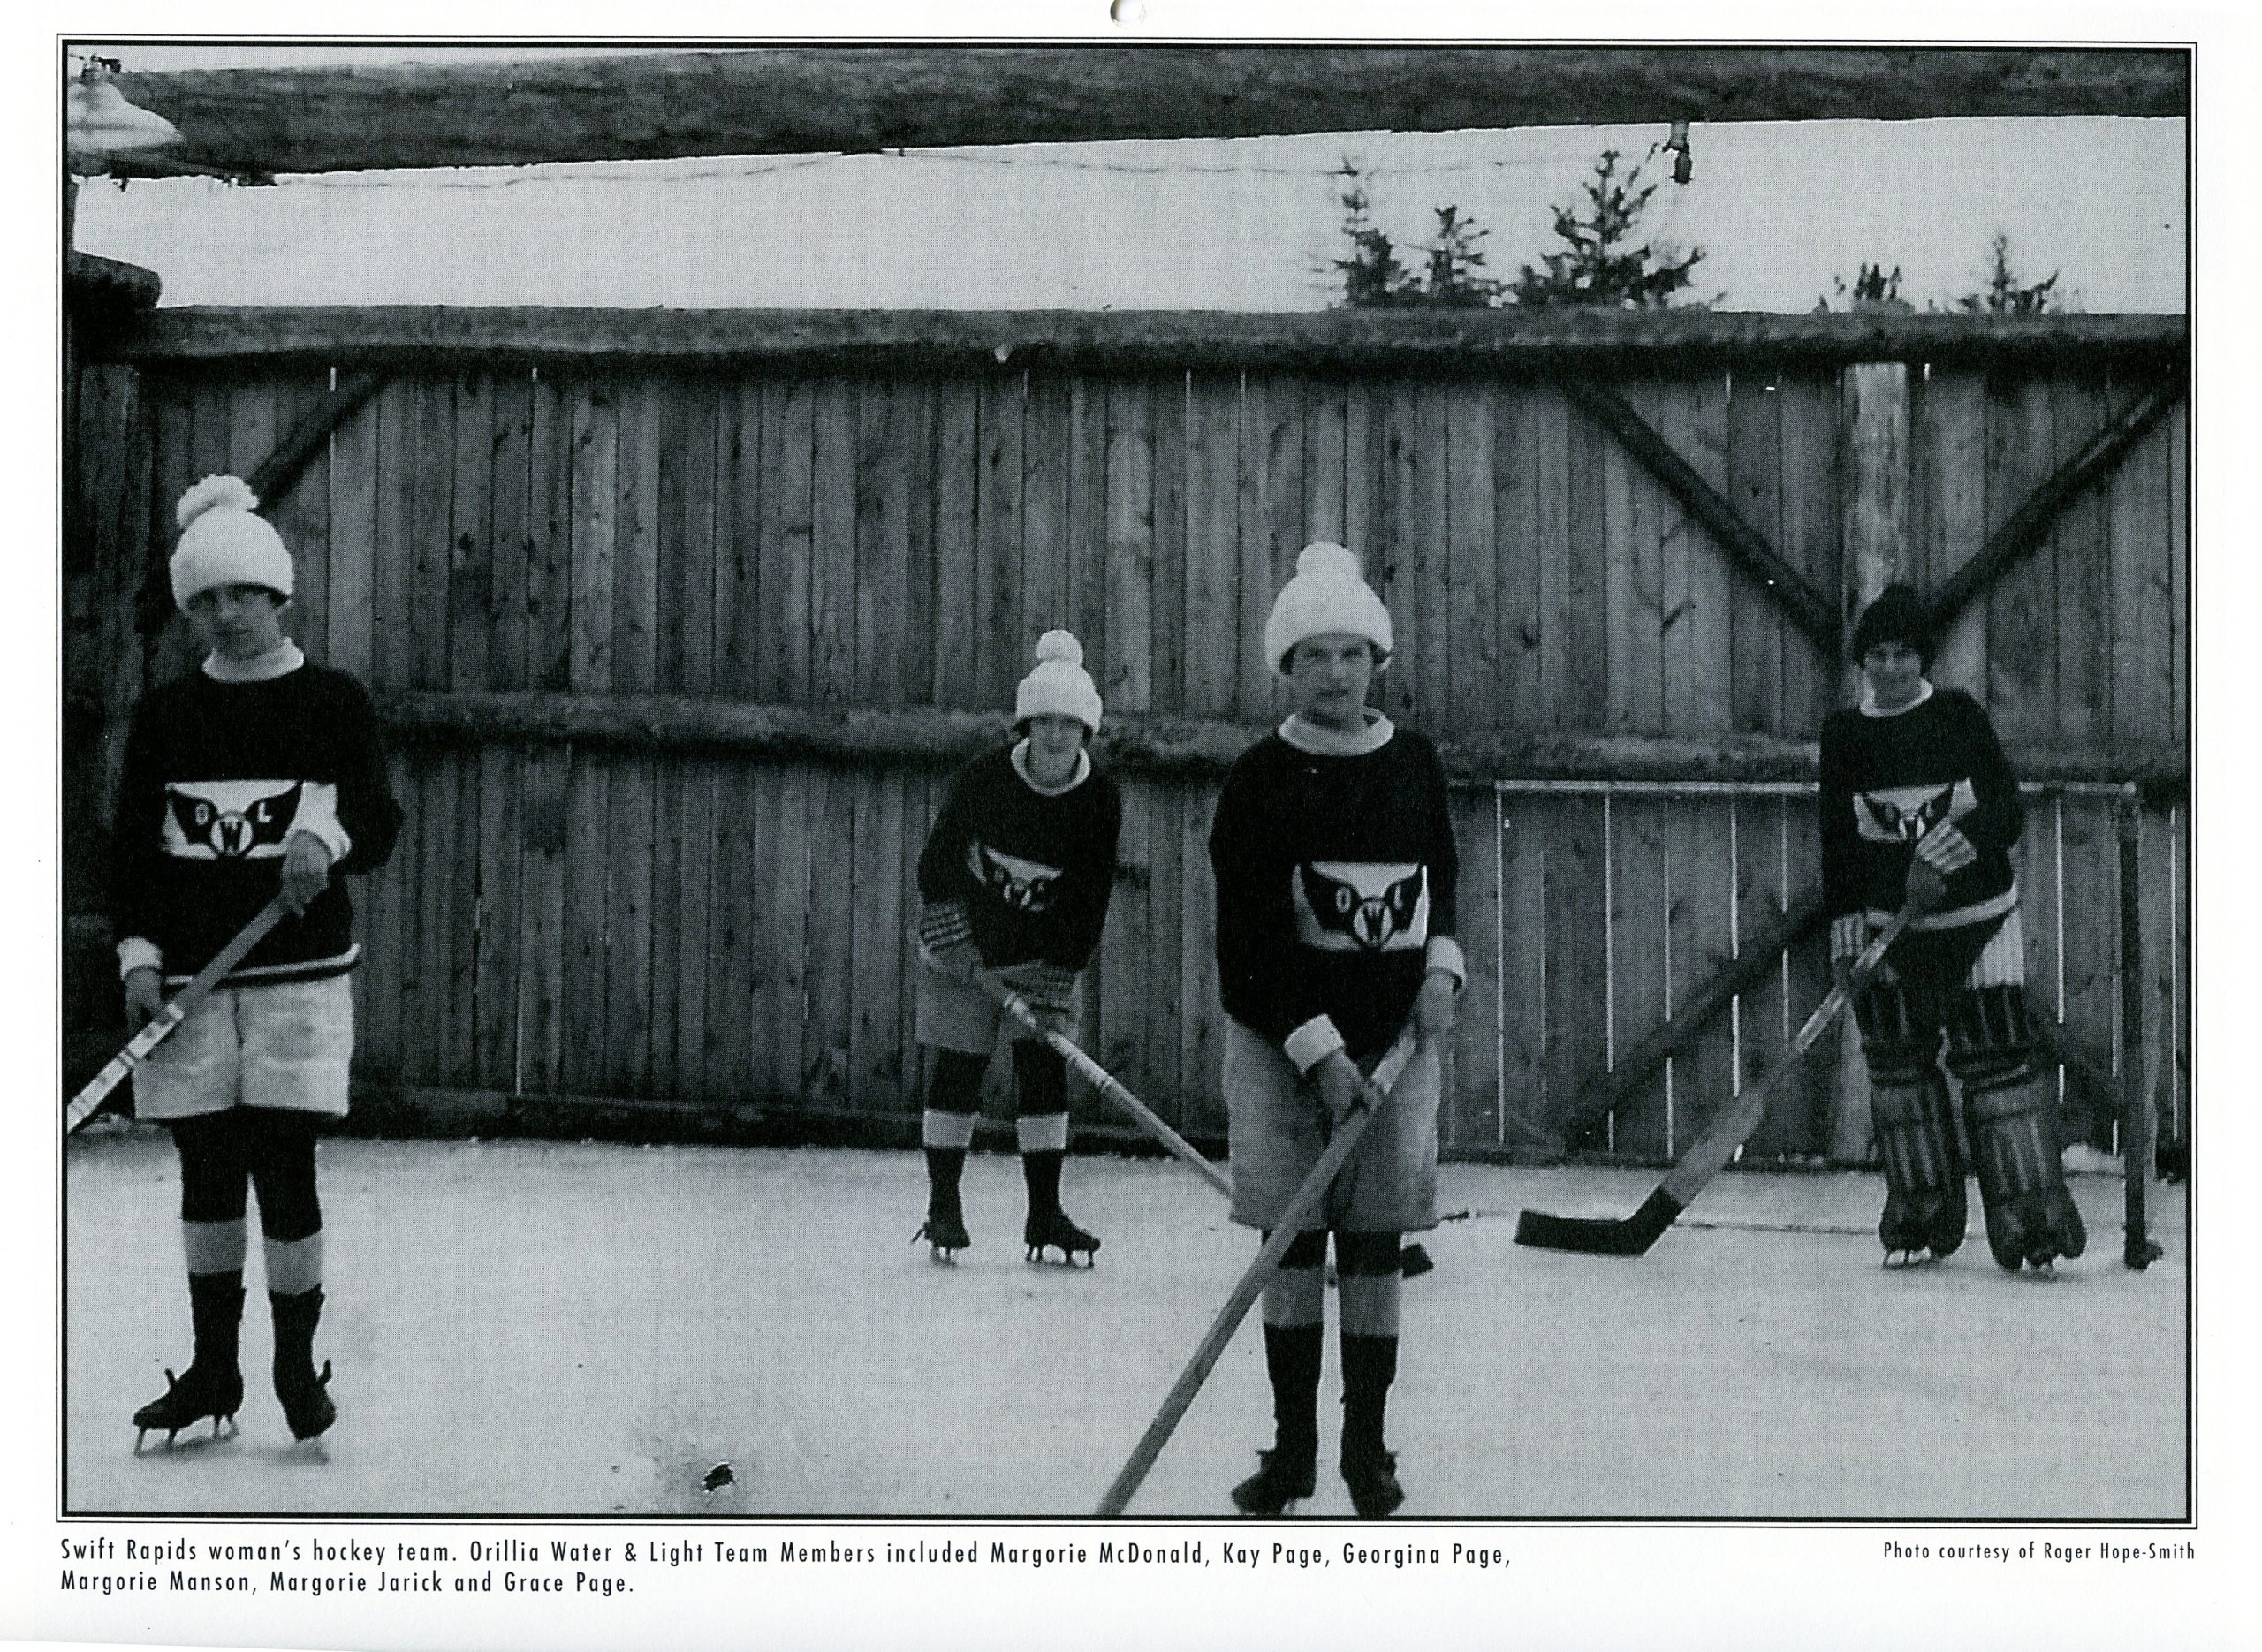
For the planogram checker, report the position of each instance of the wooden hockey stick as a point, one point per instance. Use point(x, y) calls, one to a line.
point(1021, 1011)
point(161, 1025)
point(2138, 1073)
point(1347, 1138)
point(1710, 1153)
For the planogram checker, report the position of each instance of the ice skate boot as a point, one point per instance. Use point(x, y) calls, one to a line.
point(1925, 1211)
point(307, 1405)
point(944, 1232)
point(213, 1385)
point(2031, 1219)
point(1284, 1475)
point(1053, 1229)
point(204, 1390)
point(1371, 1474)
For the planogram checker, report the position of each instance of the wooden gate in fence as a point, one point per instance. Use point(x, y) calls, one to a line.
point(681, 620)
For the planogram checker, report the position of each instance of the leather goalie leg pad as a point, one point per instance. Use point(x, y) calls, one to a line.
point(1924, 1205)
point(2031, 1218)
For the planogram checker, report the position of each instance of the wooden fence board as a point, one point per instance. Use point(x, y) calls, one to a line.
point(1168, 876)
point(1638, 961)
point(1086, 541)
point(1812, 520)
point(788, 517)
point(2079, 549)
point(430, 522)
point(1584, 613)
point(832, 544)
point(782, 1032)
point(1471, 562)
point(301, 515)
point(471, 535)
point(1948, 420)
point(514, 547)
point(2090, 924)
point(581, 996)
point(497, 933)
point(2022, 607)
point(687, 611)
point(1210, 596)
point(832, 813)
point(2179, 541)
point(594, 505)
point(887, 437)
point(877, 927)
point(543, 932)
point(1577, 940)
point(1633, 527)
point(1765, 1014)
point(1325, 457)
point(958, 470)
point(1044, 514)
point(1422, 613)
point(1120, 1041)
point(1472, 1115)
point(1516, 541)
point(1127, 683)
point(2143, 621)
point(1271, 527)
point(738, 947)
point(1001, 649)
point(1807, 979)
point(550, 460)
point(1701, 938)
point(1756, 488)
point(1367, 404)
point(1167, 616)
point(1525, 832)
point(1202, 1022)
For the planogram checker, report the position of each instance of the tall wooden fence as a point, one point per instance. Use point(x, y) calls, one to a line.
point(681, 623)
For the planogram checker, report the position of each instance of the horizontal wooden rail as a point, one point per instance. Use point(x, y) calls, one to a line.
point(1166, 745)
point(355, 117)
point(1447, 341)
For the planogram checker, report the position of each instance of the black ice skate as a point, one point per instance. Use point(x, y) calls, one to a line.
point(1371, 1474)
point(307, 1405)
point(1054, 1231)
point(944, 1232)
point(1282, 1477)
point(207, 1391)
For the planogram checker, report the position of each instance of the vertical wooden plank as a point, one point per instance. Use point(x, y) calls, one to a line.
point(353, 557)
point(1812, 517)
point(2022, 606)
point(665, 826)
point(923, 795)
point(543, 922)
point(2145, 626)
point(301, 516)
point(1528, 1120)
point(510, 592)
point(1472, 1115)
point(1638, 937)
point(1129, 685)
point(430, 524)
point(1044, 512)
point(2090, 923)
point(922, 640)
point(1169, 877)
point(1806, 979)
point(629, 925)
point(783, 815)
point(1699, 586)
point(1213, 563)
point(494, 986)
point(1755, 475)
point(581, 1061)
point(550, 460)
point(688, 995)
point(2086, 619)
point(590, 534)
point(1271, 527)
point(1471, 566)
point(1366, 459)
point(1953, 432)
point(737, 591)
point(1701, 938)
point(471, 535)
point(1324, 459)
point(1634, 581)
point(1765, 1016)
point(254, 417)
point(833, 824)
point(1577, 964)
point(789, 519)
point(380, 980)
point(428, 1054)
point(635, 537)
point(881, 556)
point(2179, 540)
point(958, 471)
point(1429, 587)
point(173, 430)
point(1125, 1041)
point(685, 619)
point(1202, 1044)
point(875, 1054)
point(1167, 622)
point(1001, 649)
point(1517, 547)
point(1086, 543)
point(2036, 859)
point(1584, 612)
point(737, 947)
point(1405, 690)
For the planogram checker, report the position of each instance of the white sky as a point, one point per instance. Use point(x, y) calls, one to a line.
point(1780, 209)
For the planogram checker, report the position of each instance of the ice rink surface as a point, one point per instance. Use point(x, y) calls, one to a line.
point(538, 1328)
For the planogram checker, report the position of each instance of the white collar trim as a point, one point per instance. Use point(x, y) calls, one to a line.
point(279, 661)
point(1869, 706)
point(1083, 772)
point(1321, 742)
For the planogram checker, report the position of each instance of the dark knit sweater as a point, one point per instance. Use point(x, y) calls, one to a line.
point(1335, 875)
point(1887, 781)
point(217, 776)
point(1033, 872)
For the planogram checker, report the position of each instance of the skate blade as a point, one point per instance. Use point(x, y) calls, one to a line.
point(222, 1428)
point(1039, 1253)
point(1897, 1260)
point(942, 1256)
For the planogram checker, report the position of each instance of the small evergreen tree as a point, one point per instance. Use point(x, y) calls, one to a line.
point(1599, 264)
point(2006, 294)
point(1872, 289)
point(1373, 278)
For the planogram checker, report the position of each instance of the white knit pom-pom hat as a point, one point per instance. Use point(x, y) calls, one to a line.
point(1327, 595)
point(1060, 685)
point(222, 543)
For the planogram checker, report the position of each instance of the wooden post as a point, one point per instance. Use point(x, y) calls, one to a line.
point(1874, 418)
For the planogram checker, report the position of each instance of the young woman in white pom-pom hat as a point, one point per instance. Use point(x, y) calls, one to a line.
point(1335, 865)
point(1014, 880)
point(260, 773)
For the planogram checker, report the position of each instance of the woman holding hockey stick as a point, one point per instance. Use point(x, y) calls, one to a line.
point(1333, 852)
point(260, 773)
point(1015, 878)
point(1918, 804)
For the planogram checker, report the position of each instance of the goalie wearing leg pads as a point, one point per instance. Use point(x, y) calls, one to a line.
point(1924, 1205)
point(2031, 1219)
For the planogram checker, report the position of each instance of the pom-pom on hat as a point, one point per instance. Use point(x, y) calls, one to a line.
point(222, 543)
point(1060, 685)
point(1327, 594)
point(1897, 614)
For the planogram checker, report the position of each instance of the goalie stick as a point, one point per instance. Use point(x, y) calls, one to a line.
point(1347, 1138)
point(1710, 1153)
point(1413, 1261)
point(162, 1025)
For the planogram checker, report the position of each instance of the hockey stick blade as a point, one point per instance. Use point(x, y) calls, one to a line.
point(1710, 1153)
point(97, 1089)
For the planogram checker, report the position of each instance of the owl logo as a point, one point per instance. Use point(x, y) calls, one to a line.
point(1905, 814)
point(230, 820)
point(1024, 885)
point(1361, 906)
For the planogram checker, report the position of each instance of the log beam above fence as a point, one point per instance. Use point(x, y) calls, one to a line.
point(816, 99)
point(1539, 341)
point(1162, 746)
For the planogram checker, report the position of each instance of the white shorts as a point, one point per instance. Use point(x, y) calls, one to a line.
point(286, 1044)
point(1388, 1185)
point(955, 1014)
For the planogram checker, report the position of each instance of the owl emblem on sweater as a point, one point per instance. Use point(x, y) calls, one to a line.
point(230, 820)
point(1025, 885)
point(1361, 906)
point(1905, 814)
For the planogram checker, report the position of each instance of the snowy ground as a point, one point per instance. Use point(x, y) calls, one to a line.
point(524, 1328)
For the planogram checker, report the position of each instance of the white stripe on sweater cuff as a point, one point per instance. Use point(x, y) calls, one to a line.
point(135, 952)
point(1444, 953)
point(1312, 1043)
